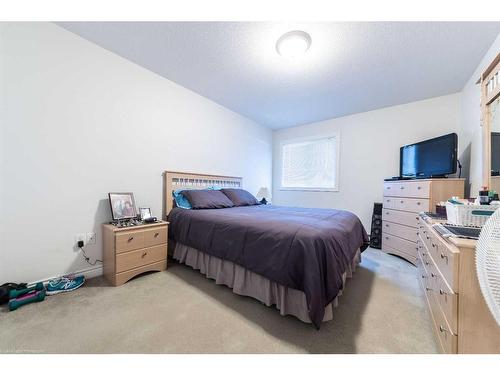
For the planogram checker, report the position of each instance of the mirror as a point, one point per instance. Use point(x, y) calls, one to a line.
point(494, 121)
point(490, 121)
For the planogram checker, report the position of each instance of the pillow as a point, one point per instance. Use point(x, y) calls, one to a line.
point(180, 200)
point(240, 197)
point(200, 199)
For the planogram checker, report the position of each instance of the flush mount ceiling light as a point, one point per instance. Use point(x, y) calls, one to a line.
point(293, 44)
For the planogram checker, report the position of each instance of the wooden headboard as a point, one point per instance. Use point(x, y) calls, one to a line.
point(182, 180)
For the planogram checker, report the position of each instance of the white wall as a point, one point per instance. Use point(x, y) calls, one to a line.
point(470, 128)
point(369, 151)
point(78, 122)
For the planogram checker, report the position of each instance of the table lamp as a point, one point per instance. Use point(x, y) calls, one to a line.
point(264, 194)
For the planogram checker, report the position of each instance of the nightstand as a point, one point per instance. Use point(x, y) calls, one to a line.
point(130, 251)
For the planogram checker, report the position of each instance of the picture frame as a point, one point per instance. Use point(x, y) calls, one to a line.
point(122, 206)
point(145, 212)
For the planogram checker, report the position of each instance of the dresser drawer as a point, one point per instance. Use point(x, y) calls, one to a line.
point(396, 189)
point(406, 204)
point(156, 236)
point(447, 338)
point(400, 244)
point(400, 217)
point(423, 255)
point(420, 189)
point(138, 258)
point(447, 300)
point(403, 231)
point(446, 261)
point(129, 241)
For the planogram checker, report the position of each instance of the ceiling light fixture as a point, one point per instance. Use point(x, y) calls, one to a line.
point(293, 44)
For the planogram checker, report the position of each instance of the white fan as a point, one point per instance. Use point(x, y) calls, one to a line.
point(488, 263)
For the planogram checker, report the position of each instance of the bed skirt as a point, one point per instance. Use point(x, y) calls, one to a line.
point(287, 300)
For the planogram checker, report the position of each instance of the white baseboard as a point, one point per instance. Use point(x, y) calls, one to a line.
point(89, 273)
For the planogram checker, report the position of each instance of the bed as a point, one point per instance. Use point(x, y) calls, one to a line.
point(297, 259)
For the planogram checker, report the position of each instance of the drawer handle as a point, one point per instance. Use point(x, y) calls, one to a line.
point(442, 292)
point(387, 212)
point(433, 274)
point(444, 256)
point(402, 187)
point(387, 225)
point(442, 329)
point(386, 237)
point(418, 203)
point(130, 238)
point(402, 202)
point(428, 289)
point(427, 237)
point(427, 263)
point(157, 234)
point(424, 277)
point(144, 254)
point(432, 244)
point(418, 188)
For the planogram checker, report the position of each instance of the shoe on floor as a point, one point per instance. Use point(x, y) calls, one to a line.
point(64, 284)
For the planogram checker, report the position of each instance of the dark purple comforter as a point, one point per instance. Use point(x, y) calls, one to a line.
point(307, 249)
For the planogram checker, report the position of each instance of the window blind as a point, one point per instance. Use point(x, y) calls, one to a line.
point(310, 164)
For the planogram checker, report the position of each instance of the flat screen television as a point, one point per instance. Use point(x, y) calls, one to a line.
point(434, 157)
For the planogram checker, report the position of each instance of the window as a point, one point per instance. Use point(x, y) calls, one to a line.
point(310, 164)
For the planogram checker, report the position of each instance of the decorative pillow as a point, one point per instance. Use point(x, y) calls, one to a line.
point(180, 200)
point(240, 197)
point(200, 199)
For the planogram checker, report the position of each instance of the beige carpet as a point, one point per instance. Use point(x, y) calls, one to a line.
point(180, 311)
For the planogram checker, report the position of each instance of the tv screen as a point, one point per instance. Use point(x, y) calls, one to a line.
point(495, 152)
point(430, 158)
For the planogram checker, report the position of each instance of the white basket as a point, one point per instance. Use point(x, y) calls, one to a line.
point(468, 215)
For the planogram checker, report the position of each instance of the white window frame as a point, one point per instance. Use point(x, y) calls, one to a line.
point(335, 135)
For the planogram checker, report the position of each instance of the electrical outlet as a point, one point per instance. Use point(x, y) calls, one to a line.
point(91, 238)
point(80, 237)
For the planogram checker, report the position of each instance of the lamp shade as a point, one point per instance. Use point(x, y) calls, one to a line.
point(263, 193)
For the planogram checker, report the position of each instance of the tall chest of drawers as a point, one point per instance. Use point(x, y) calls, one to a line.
point(447, 273)
point(403, 200)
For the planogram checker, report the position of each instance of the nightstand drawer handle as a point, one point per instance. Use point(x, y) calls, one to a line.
point(144, 254)
point(157, 234)
point(130, 238)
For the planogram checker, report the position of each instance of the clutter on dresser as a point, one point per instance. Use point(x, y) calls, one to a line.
point(464, 213)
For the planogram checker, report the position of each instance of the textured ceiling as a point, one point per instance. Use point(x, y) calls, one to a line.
point(351, 67)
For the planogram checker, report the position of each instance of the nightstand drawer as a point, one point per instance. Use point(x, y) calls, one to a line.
point(138, 258)
point(156, 236)
point(129, 241)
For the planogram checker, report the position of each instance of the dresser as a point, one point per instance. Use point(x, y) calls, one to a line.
point(403, 200)
point(447, 272)
point(130, 251)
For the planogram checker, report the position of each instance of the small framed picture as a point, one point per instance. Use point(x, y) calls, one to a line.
point(145, 212)
point(122, 206)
